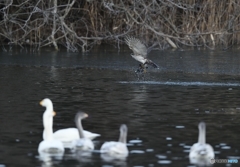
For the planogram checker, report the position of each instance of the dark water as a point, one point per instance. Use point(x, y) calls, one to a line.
point(162, 112)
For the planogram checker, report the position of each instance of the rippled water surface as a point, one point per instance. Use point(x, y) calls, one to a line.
point(162, 112)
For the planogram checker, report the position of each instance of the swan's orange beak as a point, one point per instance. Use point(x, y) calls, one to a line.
point(41, 102)
point(54, 113)
point(86, 115)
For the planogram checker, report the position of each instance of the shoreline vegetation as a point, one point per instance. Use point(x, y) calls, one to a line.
point(80, 25)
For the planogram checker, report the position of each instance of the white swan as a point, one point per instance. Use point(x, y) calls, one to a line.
point(69, 134)
point(83, 143)
point(201, 152)
point(49, 144)
point(117, 149)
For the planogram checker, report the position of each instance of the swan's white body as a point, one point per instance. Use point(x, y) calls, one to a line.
point(201, 151)
point(82, 143)
point(49, 144)
point(114, 148)
point(71, 134)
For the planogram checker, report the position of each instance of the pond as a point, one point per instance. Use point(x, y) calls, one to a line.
point(162, 111)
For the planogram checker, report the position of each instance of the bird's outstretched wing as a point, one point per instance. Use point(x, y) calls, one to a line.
point(136, 46)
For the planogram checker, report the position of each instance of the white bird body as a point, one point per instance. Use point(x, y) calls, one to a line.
point(49, 144)
point(201, 152)
point(68, 135)
point(83, 143)
point(114, 148)
point(71, 134)
point(139, 58)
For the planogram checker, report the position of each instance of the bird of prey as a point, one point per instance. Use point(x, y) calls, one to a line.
point(140, 52)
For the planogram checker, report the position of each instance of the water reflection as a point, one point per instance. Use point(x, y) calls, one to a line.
point(164, 162)
point(116, 160)
point(83, 156)
point(201, 162)
point(49, 159)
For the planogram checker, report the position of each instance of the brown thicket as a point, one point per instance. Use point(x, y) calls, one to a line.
point(80, 24)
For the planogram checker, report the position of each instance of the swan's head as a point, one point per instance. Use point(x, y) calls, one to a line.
point(123, 129)
point(46, 102)
point(202, 126)
point(80, 115)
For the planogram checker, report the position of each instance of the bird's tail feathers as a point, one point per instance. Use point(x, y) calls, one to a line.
point(150, 62)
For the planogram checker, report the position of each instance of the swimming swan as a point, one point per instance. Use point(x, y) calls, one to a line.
point(201, 151)
point(117, 148)
point(49, 144)
point(68, 134)
point(83, 143)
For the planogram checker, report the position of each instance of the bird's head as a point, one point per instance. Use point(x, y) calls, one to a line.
point(80, 115)
point(46, 102)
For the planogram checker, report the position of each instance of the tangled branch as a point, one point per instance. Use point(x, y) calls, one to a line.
point(79, 25)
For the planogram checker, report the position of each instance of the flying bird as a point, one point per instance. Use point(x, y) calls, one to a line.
point(140, 53)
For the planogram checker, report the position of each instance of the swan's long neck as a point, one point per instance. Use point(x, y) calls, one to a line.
point(123, 137)
point(202, 133)
point(80, 128)
point(48, 124)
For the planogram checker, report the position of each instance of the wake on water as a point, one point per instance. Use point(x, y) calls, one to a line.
point(182, 83)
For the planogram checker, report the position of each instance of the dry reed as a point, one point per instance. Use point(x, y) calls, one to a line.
point(79, 25)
